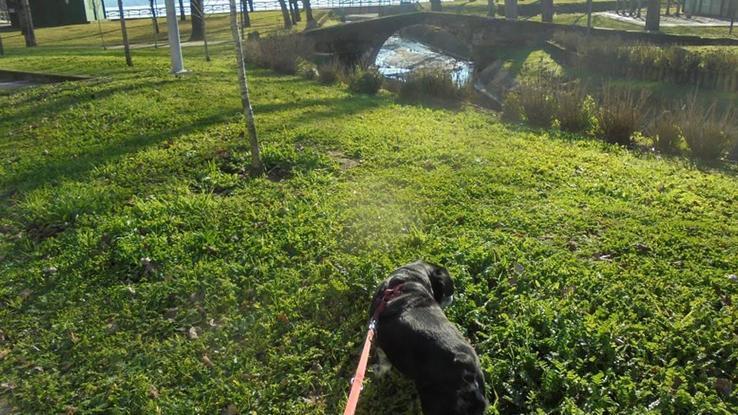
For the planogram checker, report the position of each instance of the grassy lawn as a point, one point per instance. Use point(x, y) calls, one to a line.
point(142, 272)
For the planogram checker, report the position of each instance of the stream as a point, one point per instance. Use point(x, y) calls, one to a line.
point(400, 56)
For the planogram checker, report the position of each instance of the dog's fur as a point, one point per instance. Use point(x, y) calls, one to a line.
point(418, 339)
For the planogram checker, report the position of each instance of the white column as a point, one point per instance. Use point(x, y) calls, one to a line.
point(175, 48)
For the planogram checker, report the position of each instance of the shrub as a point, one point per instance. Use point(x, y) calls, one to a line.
point(329, 72)
point(433, 84)
point(620, 114)
point(366, 81)
point(733, 154)
point(666, 132)
point(537, 103)
point(573, 109)
point(306, 69)
point(511, 109)
point(707, 132)
point(280, 53)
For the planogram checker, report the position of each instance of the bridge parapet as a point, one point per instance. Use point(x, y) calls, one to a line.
point(357, 40)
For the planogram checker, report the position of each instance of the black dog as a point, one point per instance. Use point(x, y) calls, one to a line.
point(422, 344)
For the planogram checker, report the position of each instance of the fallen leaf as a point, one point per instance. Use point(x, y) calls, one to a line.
point(206, 360)
point(153, 392)
point(192, 333)
point(231, 409)
point(3, 353)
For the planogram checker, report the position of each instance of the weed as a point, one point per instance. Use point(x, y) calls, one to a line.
point(512, 110)
point(431, 84)
point(330, 72)
point(574, 109)
point(665, 131)
point(366, 81)
point(307, 69)
point(621, 114)
point(707, 131)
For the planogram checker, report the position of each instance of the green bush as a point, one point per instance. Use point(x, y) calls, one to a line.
point(621, 114)
point(280, 53)
point(366, 81)
point(431, 84)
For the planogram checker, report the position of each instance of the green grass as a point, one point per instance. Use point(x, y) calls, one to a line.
point(590, 278)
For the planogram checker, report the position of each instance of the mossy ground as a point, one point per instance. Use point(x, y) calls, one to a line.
point(143, 272)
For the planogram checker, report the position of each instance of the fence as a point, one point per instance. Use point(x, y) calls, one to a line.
point(137, 12)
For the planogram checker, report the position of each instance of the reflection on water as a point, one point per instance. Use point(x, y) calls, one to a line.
point(400, 56)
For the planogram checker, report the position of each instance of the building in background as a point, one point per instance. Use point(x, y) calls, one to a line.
point(59, 12)
point(4, 17)
point(713, 8)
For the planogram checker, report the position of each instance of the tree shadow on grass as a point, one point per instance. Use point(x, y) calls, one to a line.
point(74, 169)
point(325, 107)
point(40, 104)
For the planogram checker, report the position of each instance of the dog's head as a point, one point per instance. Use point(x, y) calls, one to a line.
point(440, 280)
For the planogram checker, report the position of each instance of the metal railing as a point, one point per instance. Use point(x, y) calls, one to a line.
point(139, 12)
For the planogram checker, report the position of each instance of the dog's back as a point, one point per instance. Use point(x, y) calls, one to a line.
point(425, 346)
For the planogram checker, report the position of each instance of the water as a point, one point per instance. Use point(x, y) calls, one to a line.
point(400, 56)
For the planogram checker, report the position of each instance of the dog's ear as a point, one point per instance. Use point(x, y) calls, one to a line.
point(441, 282)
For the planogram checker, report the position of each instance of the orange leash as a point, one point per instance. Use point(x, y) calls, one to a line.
point(358, 380)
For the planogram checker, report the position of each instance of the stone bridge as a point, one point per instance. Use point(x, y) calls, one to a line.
point(361, 40)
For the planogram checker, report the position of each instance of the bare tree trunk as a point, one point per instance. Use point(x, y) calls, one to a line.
point(436, 5)
point(547, 11)
point(153, 16)
point(245, 18)
point(296, 8)
point(668, 8)
point(285, 14)
point(2, 50)
point(155, 23)
point(196, 16)
point(27, 20)
point(511, 9)
point(491, 8)
point(732, 18)
point(589, 14)
point(311, 23)
point(653, 15)
point(182, 15)
point(251, 6)
point(257, 167)
point(124, 31)
point(293, 13)
point(205, 38)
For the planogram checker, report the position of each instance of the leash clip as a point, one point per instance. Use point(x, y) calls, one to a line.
point(373, 324)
